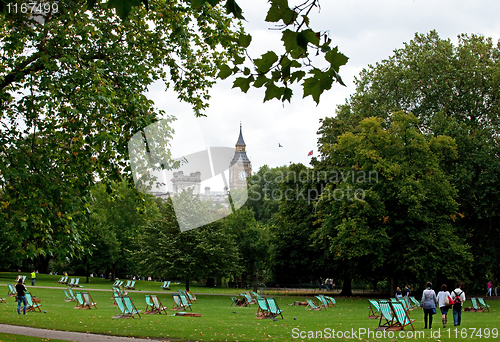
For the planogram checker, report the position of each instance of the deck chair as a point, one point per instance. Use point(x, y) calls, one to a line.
point(256, 295)
point(415, 302)
point(132, 310)
point(191, 296)
point(374, 309)
point(407, 303)
point(331, 299)
point(401, 317)
point(248, 298)
point(31, 305)
point(184, 303)
point(71, 293)
point(68, 296)
point(120, 283)
point(166, 285)
point(263, 309)
point(157, 305)
point(115, 283)
point(72, 282)
point(273, 308)
point(127, 284)
point(88, 302)
point(386, 316)
point(312, 306)
point(177, 302)
point(12, 291)
point(475, 307)
point(79, 300)
point(132, 285)
point(77, 283)
point(323, 302)
point(149, 305)
point(60, 281)
point(483, 304)
point(124, 311)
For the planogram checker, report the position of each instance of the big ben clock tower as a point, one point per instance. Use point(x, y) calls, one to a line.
point(240, 167)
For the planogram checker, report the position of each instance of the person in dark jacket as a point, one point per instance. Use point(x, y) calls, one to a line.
point(21, 296)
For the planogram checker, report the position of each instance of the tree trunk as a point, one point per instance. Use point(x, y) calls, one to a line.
point(242, 280)
point(87, 270)
point(346, 286)
point(393, 286)
point(42, 264)
point(187, 282)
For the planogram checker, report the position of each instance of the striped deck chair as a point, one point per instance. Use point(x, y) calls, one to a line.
point(64, 280)
point(166, 285)
point(322, 301)
point(374, 309)
point(248, 298)
point(149, 305)
point(71, 293)
point(177, 302)
point(60, 281)
point(77, 283)
point(79, 300)
point(31, 305)
point(256, 295)
point(157, 305)
point(132, 310)
point(115, 283)
point(72, 282)
point(191, 297)
point(273, 308)
point(127, 284)
point(123, 308)
point(263, 309)
point(331, 299)
point(185, 303)
point(12, 291)
point(483, 304)
point(312, 306)
point(68, 296)
point(131, 286)
point(475, 307)
point(405, 305)
point(386, 316)
point(415, 302)
point(401, 317)
point(88, 302)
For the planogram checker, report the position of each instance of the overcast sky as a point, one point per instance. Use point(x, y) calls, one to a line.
point(367, 31)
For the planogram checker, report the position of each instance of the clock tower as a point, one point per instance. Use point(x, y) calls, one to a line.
point(240, 167)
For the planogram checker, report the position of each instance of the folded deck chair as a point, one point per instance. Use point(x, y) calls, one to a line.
point(166, 285)
point(31, 305)
point(273, 308)
point(88, 302)
point(79, 300)
point(12, 291)
point(475, 307)
point(401, 317)
point(386, 316)
point(374, 309)
point(483, 304)
point(132, 310)
point(312, 306)
point(263, 309)
point(157, 305)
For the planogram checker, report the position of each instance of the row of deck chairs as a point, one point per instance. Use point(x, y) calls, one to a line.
point(183, 300)
point(409, 303)
point(74, 282)
point(268, 308)
point(126, 308)
point(247, 298)
point(481, 307)
point(324, 302)
point(154, 305)
point(393, 315)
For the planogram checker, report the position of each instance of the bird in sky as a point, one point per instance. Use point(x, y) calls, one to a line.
point(279, 145)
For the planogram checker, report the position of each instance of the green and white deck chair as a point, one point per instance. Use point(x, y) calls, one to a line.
point(312, 306)
point(263, 309)
point(374, 309)
point(68, 296)
point(88, 302)
point(415, 302)
point(31, 305)
point(77, 283)
point(184, 303)
point(72, 282)
point(115, 283)
point(273, 308)
point(65, 280)
point(177, 301)
point(248, 298)
point(331, 299)
point(132, 310)
point(322, 301)
point(124, 312)
point(157, 305)
point(386, 316)
point(12, 291)
point(407, 303)
point(60, 281)
point(475, 306)
point(132, 285)
point(127, 284)
point(483, 304)
point(149, 305)
point(166, 285)
point(392, 300)
point(256, 295)
point(79, 300)
point(71, 293)
point(191, 296)
point(401, 317)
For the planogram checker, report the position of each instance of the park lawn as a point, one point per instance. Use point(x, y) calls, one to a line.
point(220, 321)
point(21, 338)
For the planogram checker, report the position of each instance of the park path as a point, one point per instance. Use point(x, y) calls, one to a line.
point(67, 335)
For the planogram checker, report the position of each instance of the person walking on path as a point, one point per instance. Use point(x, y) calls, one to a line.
point(428, 303)
point(441, 297)
point(458, 296)
point(495, 286)
point(33, 278)
point(21, 296)
point(488, 292)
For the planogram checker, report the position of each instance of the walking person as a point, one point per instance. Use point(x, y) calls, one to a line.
point(33, 278)
point(441, 298)
point(398, 293)
point(488, 292)
point(458, 296)
point(21, 296)
point(428, 303)
point(495, 286)
point(407, 291)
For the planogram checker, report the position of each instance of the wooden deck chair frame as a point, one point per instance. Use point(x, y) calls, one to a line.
point(475, 307)
point(12, 291)
point(401, 317)
point(191, 297)
point(386, 314)
point(331, 299)
point(31, 305)
point(132, 285)
point(132, 310)
point(263, 309)
point(483, 304)
point(121, 306)
point(88, 302)
point(274, 308)
point(311, 305)
point(2, 300)
point(374, 309)
point(248, 298)
point(71, 282)
point(127, 284)
point(68, 296)
point(157, 305)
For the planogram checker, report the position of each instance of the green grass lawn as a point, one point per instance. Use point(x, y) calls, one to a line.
point(220, 321)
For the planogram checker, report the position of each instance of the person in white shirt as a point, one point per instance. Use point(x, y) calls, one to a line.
point(457, 307)
point(441, 297)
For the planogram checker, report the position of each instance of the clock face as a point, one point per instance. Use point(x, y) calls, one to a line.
point(242, 175)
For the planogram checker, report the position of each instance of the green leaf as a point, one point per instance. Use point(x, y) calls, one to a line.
point(260, 81)
point(272, 91)
point(243, 83)
point(224, 71)
point(266, 62)
point(307, 36)
point(336, 59)
point(287, 95)
point(289, 39)
point(244, 40)
point(297, 76)
point(123, 7)
point(238, 60)
point(91, 4)
point(317, 84)
point(246, 71)
point(232, 7)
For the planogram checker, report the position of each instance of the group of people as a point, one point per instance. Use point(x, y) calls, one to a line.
point(443, 300)
point(400, 294)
